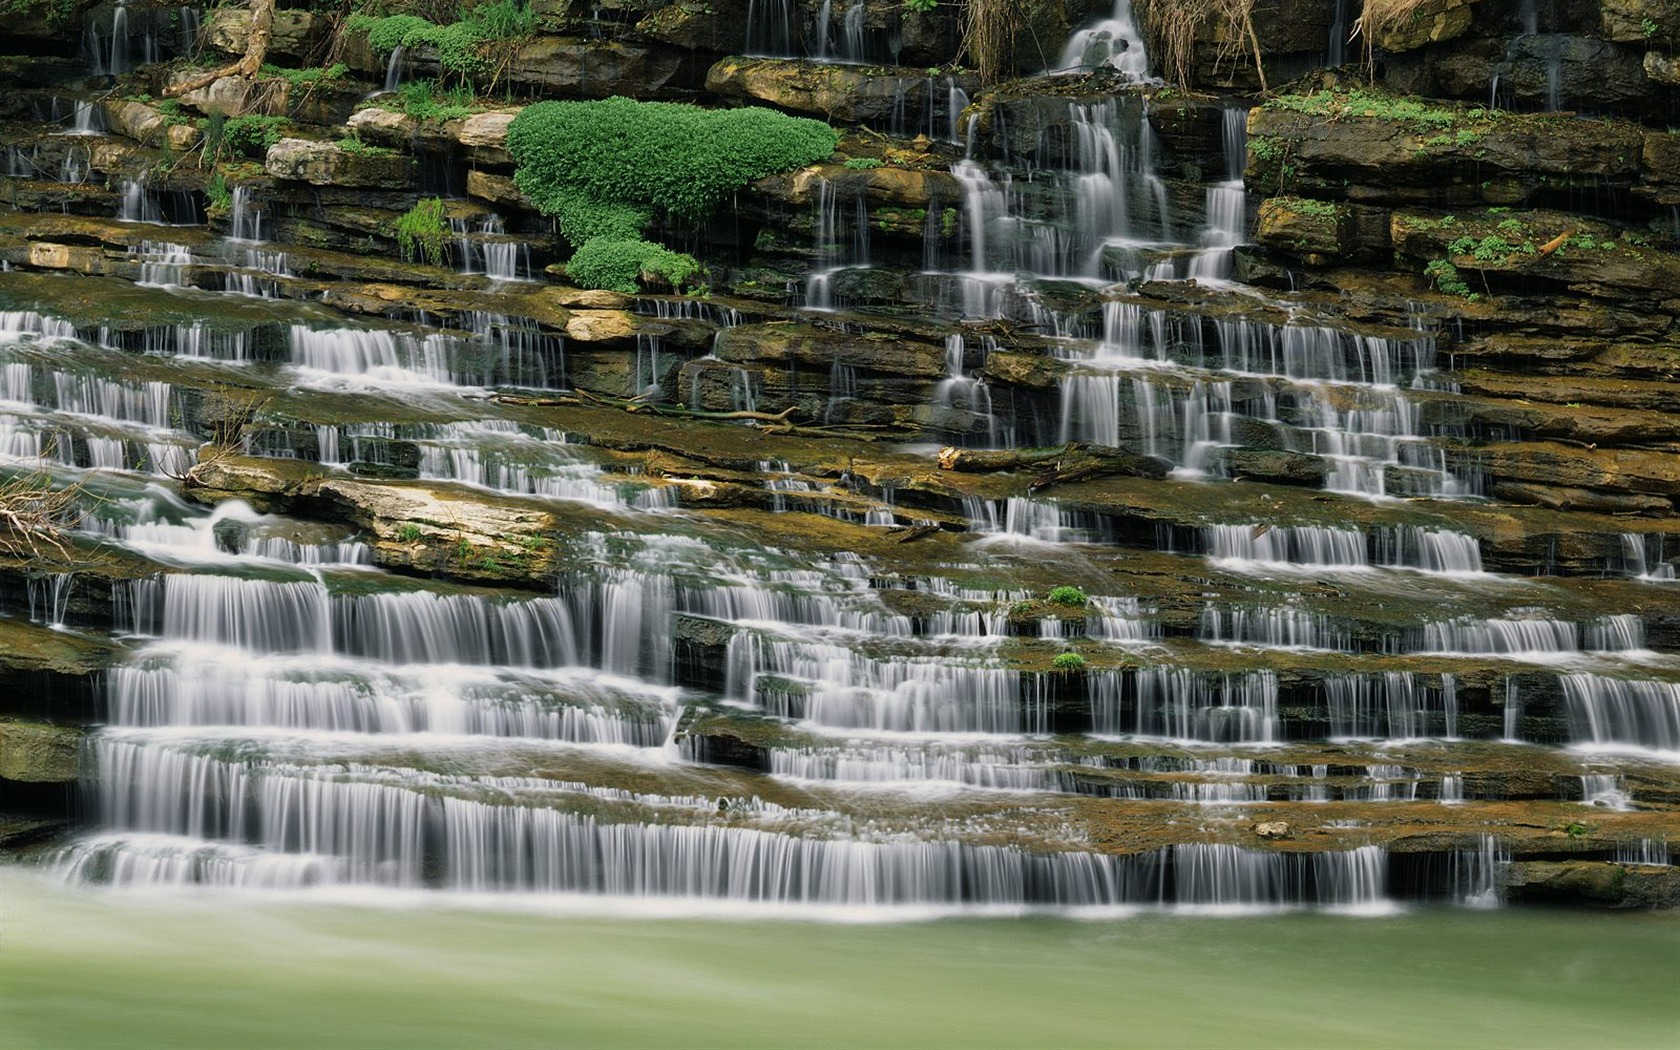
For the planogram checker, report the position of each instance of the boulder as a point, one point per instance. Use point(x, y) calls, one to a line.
point(715, 26)
point(1594, 882)
point(229, 96)
point(382, 127)
point(484, 137)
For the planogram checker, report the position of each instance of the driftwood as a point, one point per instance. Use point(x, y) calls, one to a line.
point(249, 64)
point(1071, 462)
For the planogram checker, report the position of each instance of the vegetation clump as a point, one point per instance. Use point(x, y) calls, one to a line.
point(464, 48)
point(1066, 595)
point(423, 232)
point(606, 170)
point(1068, 662)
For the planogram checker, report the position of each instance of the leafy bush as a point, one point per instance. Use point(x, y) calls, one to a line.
point(862, 163)
point(618, 264)
point(423, 233)
point(306, 77)
point(1068, 662)
point(656, 155)
point(1068, 596)
point(605, 169)
point(460, 45)
point(252, 135)
point(218, 193)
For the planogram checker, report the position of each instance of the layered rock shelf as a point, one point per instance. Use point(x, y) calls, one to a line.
point(1110, 460)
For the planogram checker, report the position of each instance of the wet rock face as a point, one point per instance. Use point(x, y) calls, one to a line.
point(34, 753)
point(1594, 883)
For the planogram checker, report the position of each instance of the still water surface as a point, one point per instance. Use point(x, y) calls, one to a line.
point(86, 968)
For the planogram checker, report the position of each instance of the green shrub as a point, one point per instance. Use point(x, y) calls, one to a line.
point(1068, 596)
point(656, 155)
point(461, 46)
point(423, 233)
point(920, 6)
point(252, 135)
point(618, 265)
point(605, 169)
point(1068, 662)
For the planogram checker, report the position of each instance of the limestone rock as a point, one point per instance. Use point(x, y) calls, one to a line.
point(1661, 68)
point(1364, 155)
point(594, 68)
point(831, 92)
point(497, 189)
point(382, 127)
point(600, 326)
point(1432, 22)
point(229, 28)
point(37, 753)
point(1301, 226)
point(135, 120)
point(1271, 829)
point(484, 136)
point(229, 96)
point(1594, 882)
point(713, 26)
point(807, 346)
point(1626, 21)
point(329, 164)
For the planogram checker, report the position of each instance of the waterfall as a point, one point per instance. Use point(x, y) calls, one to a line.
point(1621, 712)
point(1116, 42)
point(394, 68)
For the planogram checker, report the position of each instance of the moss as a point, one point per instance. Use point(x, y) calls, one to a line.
point(422, 233)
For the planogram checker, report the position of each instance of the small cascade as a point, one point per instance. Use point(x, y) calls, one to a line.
point(138, 204)
point(488, 250)
point(1394, 705)
point(1643, 558)
point(1620, 712)
point(1527, 637)
point(1313, 546)
point(496, 354)
point(960, 392)
point(1478, 875)
point(394, 68)
point(1648, 852)
point(772, 27)
point(1227, 203)
point(245, 218)
point(1273, 627)
point(1180, 704)
point(1115, 42)
point(842, 241)
point(1606, 791)
point(163, 264)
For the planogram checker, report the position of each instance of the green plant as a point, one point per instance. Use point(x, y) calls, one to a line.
point(462, 47)
point(1066, 595)
point(409, 532)
point(1068, 662)
point(428, 100)
point(306, 77)
point(217, 192)
point(1447, 279)
point(1576, 829)
point(618, 265)
point(605, 169)
point(921, 7)
point(1647, 27)
point(251, 136)
point(423, 233)
point(862, 163)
